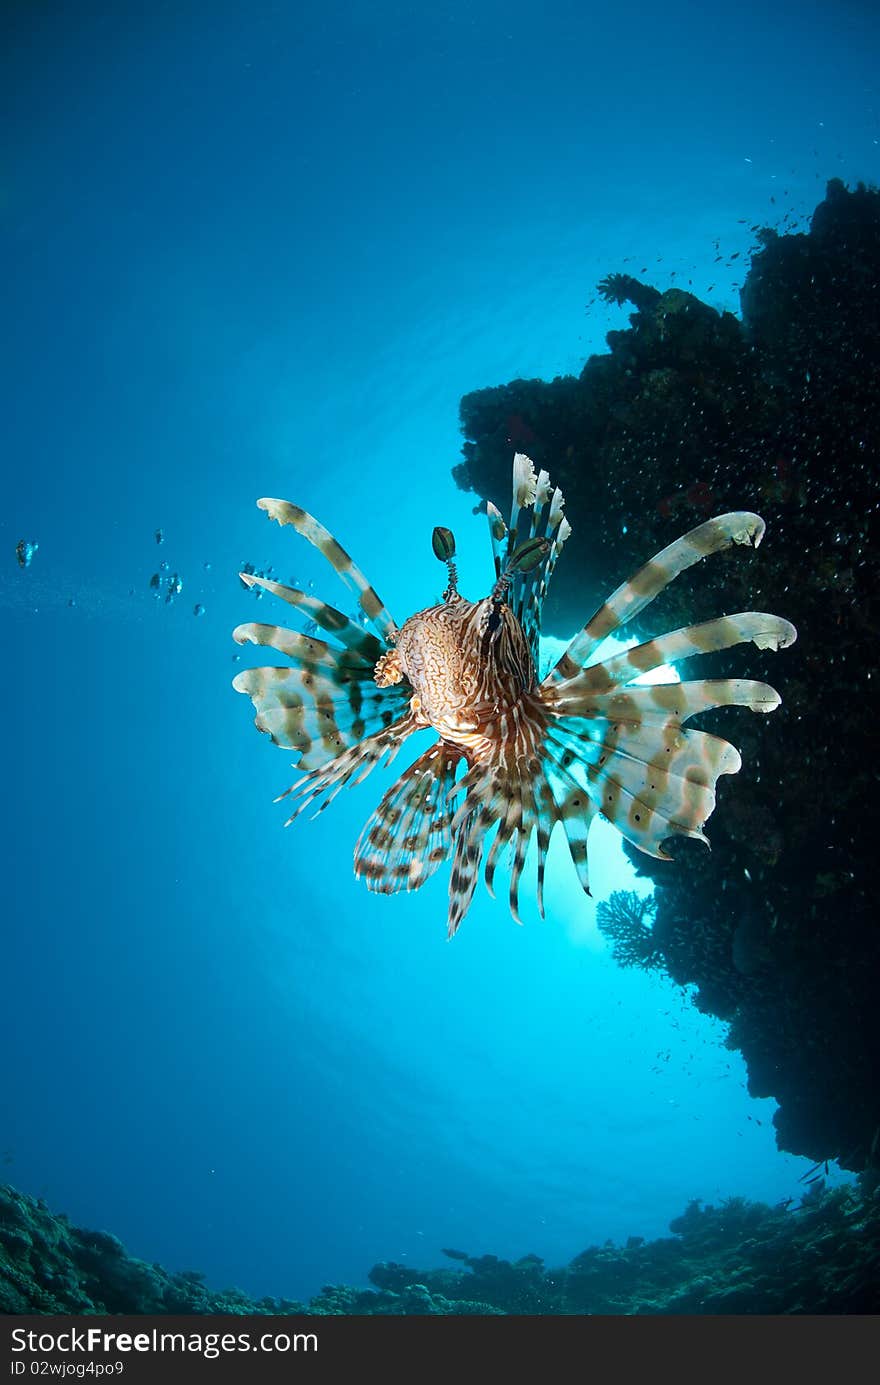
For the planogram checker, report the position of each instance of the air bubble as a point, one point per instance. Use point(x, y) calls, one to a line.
point(25, 550)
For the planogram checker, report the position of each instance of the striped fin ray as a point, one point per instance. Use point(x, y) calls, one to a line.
point(546, 819)
point(526, 805)
point(305, 649)
point(346, 631)
point(632, 596)
point(410, 834)
point(319, 723)
point(324, 702)
point(465, 871)
point(536, 512)
point(660, 702)
point(528, 821)
point(530, 588)
point(765, 631)
point(492, 797)
point(573, 807)
point(520, 802)
point(304, 523)
point(347, 769)
point(650, 782)
point(512, 826)
point(525, 494)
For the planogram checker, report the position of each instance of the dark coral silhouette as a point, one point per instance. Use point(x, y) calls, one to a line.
point(738, 1257)
point(691, 412)
point(624, 918)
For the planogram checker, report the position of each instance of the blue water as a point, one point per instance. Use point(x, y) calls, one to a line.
point(263, 249)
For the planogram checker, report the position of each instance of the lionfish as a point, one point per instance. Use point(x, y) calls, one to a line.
point(514, 753)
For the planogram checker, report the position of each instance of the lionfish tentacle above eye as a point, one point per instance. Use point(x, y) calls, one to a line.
point(588, 740)
point(498, 532)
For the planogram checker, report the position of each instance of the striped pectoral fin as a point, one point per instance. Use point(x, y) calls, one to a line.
point(518, 801)
point(572, 806)
point(502, 795)
point(465, 872)
point(514, 807)
point(655, 703)
point(494, 797)
point(527, 821)
point(632, 596)
point(319, 720)
point(310, 528)
point(326, 701)
point(346, 769)
point(651, 782)
point(756, 627)
point(546, 819)
point(347, 632)
point(410, 833)
point(509, 824)
point(306, 650)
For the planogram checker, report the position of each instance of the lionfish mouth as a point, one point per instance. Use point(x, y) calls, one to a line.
point(514, 757)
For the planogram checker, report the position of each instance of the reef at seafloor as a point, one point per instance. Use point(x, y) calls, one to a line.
point(692, 413)
point(820, 1257)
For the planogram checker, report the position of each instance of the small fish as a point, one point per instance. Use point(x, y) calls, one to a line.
point(805, 1177)
point(515, 755)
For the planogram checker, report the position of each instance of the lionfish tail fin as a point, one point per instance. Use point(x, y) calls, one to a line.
point(536, 513)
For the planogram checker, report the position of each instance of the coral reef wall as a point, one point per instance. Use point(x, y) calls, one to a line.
point(692, 413)
point(739, 1257)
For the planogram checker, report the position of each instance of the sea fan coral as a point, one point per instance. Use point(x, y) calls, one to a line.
point(625, 919)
